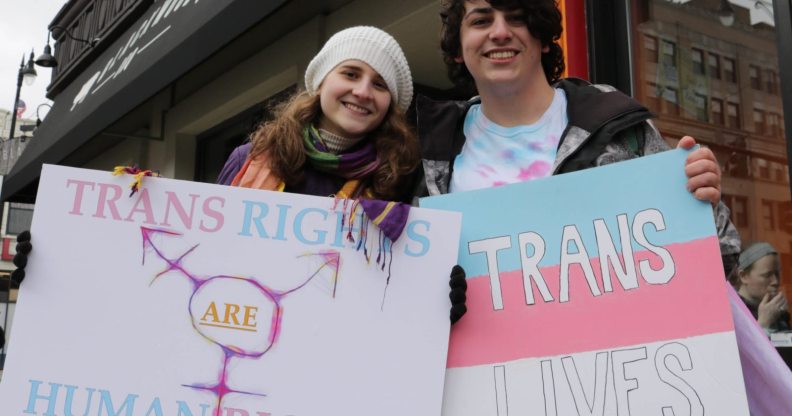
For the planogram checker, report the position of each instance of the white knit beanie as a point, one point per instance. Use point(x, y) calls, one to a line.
point(372, 46)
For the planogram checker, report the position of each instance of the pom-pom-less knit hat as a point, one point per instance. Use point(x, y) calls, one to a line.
point(372, 46)
point(756, 251)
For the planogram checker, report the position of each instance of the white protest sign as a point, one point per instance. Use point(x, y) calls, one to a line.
point(188, 295)
point(604, 298)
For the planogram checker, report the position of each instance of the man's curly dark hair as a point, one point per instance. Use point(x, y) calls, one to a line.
point(542, 17)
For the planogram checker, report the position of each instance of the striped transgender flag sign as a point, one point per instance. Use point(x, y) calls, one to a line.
point(599, 292)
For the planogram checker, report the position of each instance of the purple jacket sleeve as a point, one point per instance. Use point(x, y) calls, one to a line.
point(233, 165)
point(768, 382)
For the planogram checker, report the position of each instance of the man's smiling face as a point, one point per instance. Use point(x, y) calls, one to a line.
point(497, 47)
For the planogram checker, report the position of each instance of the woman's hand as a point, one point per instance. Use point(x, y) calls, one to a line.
point(23, 248)
point(458, 294)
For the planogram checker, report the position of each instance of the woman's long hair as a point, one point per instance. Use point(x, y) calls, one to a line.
point(280, 139)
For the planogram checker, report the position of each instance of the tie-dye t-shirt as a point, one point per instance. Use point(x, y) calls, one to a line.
point(494, 155)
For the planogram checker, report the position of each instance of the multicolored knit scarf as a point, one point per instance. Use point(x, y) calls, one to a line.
point(138, 174)
point(357, 167)
point(389, 217)
point(353, 165)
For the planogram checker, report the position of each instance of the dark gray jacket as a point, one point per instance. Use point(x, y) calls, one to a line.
point(605, 126)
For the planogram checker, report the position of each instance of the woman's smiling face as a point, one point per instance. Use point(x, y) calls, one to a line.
point(354, 100)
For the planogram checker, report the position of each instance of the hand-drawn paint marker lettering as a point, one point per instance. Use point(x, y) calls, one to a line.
point(616, 373)
point(247, 322)
point(574, 254)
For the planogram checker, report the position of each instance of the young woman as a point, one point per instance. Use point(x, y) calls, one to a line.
point(344, 136)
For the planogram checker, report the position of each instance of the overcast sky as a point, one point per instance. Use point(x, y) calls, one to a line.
point(23, 26)
point(760, 13)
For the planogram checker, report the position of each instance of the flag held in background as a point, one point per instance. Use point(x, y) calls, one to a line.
point(20, 108)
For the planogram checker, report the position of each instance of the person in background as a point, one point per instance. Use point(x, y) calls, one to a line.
point(758, 282)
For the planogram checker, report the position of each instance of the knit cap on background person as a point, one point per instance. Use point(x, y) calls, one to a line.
point(756, 251)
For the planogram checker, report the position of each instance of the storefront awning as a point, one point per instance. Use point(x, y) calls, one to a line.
point(171, 38)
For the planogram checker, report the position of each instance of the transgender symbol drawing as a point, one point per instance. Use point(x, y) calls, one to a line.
point(240, 315)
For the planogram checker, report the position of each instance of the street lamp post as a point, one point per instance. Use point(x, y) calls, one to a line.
point(27, 73)
point(726, 13)
point(38, 117)
point(46, 59)
point(766, 5)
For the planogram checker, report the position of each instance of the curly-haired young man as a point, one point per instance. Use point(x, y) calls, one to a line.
point(527, 122)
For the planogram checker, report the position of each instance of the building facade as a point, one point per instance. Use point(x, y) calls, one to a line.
point(11, 146)
point(175, 85)
point(720, 83)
